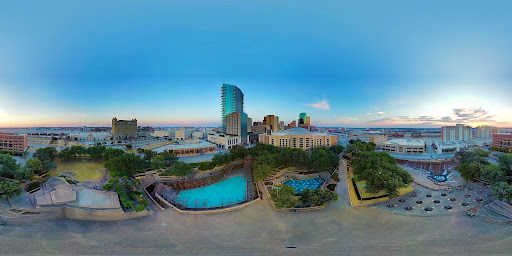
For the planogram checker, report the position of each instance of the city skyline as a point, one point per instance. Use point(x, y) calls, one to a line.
point(340, 65)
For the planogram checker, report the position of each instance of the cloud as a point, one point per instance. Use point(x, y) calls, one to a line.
point(322, 104)
point(381, 113)
point(459, 115)
point(368, 114)
point(346, 119)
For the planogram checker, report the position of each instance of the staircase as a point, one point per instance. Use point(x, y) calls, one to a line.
point(499, 209)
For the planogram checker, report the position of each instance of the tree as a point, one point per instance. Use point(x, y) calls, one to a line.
point(125, 164)
point(45, 154)
point(129, 146)
point(109, 153)
point(505, 163)
point(317, 197)
point(281, 195)
point(261, 171)
point(35, 166)
point(148, 155)
point(337, 149)
point(168, 158)
point(9, 189)
point(238, 152)
point(469, 171)
point(24, 173)
point(503, 190)
point(8, 166)
point(180, 169)
point(96, 152)
point(140, 150)
point(492, 173)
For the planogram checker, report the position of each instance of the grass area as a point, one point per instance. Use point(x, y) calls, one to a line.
point(355, 201)
point(364, 193)
point(84, 169)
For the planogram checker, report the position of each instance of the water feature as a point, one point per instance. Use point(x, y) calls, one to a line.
point(229, 191)
point(300, 185)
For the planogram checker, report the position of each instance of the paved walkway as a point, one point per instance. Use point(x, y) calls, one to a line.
point(420, 178)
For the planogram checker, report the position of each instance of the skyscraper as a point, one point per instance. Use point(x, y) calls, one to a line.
point(231, 100)
point(302, 118)
point(271, 122)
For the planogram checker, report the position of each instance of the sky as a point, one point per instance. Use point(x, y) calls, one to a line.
point(345, 63)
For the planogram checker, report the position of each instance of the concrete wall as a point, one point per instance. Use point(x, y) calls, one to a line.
point(101, 215)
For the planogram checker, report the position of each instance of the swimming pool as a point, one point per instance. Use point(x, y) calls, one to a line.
point(300, 185)
point(230, 191)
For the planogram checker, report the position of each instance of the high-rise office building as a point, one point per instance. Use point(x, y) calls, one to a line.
point(231, 100)
point(236, 125)
point(457, 132)
point(302, 118)
point(271, 122)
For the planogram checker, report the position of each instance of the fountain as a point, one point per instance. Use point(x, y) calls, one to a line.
point(453, 199)
point(413, 195)
point(391, 205)
point(401, 200)
point(429, 195)
point(479, 199)
point(444, 194)
point(408, 208)
point(448, 207)
point(428, 209)
point(419, 202)
point(436, 201)
point(464, 204)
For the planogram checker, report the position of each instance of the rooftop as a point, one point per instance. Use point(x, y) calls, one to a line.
point(407, 142)
point(297, 131)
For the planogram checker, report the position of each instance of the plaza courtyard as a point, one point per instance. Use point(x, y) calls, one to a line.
point(260, 230)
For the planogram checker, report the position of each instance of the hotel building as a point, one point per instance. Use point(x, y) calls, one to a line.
point(236, 125)
point(458, 132)
point(124, 129)
point(298, 138)
point(486, 131)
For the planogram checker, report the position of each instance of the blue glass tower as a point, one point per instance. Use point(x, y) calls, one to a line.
point(231, 100)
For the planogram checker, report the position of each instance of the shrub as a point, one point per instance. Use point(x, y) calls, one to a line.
point(331, 187)
point(108, 186)
point(144, 202)
point(33, 186)
point(140, 208)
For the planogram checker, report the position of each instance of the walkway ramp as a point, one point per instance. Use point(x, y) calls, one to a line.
point(500, 208)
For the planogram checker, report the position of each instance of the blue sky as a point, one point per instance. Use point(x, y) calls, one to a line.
point(345, 63)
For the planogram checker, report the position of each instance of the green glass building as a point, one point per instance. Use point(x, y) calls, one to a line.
point(231, 100)
point(302, 118)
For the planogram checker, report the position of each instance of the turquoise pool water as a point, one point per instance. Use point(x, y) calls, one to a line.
point(231, 190)
point(300, 185)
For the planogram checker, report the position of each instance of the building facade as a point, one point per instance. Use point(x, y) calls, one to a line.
point(258, 128)
point(192, 148)
point(271, 122)
point(90, 136)
point(404, 146)
point(457, 132)
point(298, 138)
point(249, 125)
point(13, 142)
point(502, 140)
point(124, 129)
point(231, 100)
point(378, 139)
point(183, 134)
point(223, 140)
point(485, 131)
point(236, 125)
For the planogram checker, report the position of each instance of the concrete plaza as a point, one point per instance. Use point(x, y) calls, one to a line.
point(260, 230)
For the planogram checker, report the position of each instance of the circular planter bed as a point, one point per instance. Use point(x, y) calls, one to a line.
point(448, 207)
point(419, 202)
point(401, 200)
point(464, 204)
point(429, 195)
point(428, 209)
point(444, 194)
point(436, 201)
point(413, 195)
point(408, 208)
point(453, 199)
point(390, 205)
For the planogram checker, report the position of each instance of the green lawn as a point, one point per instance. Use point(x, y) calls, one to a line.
point(84, 169)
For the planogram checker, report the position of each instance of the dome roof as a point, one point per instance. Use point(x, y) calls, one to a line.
point(293, 131)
